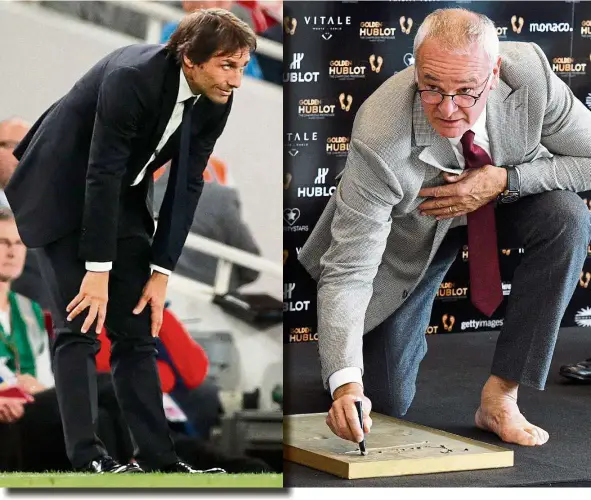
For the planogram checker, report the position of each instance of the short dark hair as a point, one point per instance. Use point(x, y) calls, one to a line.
point(209, 32)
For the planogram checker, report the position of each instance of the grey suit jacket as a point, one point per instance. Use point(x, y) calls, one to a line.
point(217, 217)
point(370, 247)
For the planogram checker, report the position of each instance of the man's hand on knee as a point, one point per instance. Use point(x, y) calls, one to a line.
point(93, 294)
point(342, 418)
point(154, 293)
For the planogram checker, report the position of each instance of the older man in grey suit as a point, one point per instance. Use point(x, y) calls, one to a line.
point(433, 150)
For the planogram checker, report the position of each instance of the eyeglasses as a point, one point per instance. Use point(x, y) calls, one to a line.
point(460, 100)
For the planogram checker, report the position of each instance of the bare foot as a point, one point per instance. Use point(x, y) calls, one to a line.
point(501, 415)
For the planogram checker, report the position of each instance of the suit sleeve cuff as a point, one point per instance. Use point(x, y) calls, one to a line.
point(344, 376)
point(99, 267)
point(154, 267)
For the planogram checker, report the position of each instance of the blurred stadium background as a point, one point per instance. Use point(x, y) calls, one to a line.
point(224, 330)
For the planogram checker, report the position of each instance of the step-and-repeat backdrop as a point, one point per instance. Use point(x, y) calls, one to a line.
point(336, 55)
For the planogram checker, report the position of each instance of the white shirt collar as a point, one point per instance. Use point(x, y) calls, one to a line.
point(479, 128)
point(184, 89)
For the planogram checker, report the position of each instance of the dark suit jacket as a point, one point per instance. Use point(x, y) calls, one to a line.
point(218, 217)
point(79, 159)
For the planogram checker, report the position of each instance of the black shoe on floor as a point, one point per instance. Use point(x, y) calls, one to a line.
point(106, 464)
point(183, 468)
point(580, 371)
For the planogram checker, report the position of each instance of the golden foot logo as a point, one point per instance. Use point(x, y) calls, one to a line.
point(287, 181)
point(517, 24)
point(285, 256)
point(289, 25)
point(346, 101)
point(376, 67)
point(405, 25)
point(448, 322)
point(584, 279)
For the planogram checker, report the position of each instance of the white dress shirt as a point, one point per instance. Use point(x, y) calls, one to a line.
point(175, 120)
point(353, 373)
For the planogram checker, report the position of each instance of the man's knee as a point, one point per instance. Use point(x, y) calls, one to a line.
point(65, 339)
point(133, 346)
point(565, 214)
point(394, 404)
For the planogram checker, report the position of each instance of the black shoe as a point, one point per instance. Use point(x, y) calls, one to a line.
point(183, 468)
point(134, 467)
point(106, 464)
point(580, 371)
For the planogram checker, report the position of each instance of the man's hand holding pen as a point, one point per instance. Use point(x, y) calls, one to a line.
point(342, 418)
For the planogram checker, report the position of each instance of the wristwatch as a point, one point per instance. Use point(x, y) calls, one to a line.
point(512, 192)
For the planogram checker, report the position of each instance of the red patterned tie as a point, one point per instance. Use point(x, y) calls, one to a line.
point(485, 278)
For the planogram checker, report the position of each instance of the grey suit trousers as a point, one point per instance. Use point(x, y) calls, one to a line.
point(554, 228)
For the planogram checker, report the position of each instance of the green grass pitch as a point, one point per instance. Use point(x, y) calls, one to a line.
point(149, 480)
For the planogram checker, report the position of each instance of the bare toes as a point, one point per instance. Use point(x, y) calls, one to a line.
point(544, 435)
point(521, 436)
point(535, 432)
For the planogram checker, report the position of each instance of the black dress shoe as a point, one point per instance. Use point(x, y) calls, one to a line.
point(183, 468)
point(580, 371)
point(134, 467)
point(106, 464)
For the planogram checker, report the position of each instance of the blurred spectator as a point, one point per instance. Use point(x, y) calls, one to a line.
point(217, 217)
point(23, 340)
point(30, 284)
point(12, 132)
point(264, 14)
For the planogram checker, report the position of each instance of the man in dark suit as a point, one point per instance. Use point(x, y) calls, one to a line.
point(82, 193)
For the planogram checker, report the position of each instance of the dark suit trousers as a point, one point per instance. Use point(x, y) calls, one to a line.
point(554, 228)
point(133, 351)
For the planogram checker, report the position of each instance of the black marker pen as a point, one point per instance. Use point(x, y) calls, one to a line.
point(360, 415)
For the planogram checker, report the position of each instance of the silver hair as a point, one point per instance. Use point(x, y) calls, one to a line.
point(457, 30)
